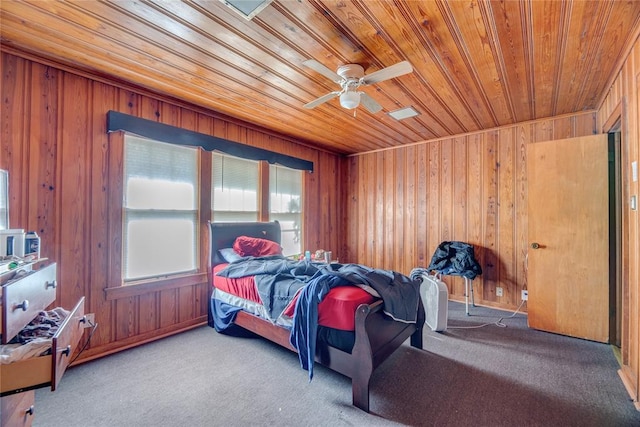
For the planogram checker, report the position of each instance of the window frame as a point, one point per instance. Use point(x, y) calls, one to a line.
point(299, 215)
point(259, 183)
point(117, 287)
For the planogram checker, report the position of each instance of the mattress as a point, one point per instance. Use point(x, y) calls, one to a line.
point(336, 311)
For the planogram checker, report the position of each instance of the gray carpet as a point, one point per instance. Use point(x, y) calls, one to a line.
point(489, 376)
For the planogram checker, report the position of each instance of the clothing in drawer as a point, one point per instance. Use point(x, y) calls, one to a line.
point(46, 370)
point(23, 299)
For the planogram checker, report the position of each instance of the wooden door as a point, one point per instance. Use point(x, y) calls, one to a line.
point(568, 266)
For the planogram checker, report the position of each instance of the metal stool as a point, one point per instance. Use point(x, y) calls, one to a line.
point(453, 258)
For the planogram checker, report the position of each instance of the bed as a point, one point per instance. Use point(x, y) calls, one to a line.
point(355, 353)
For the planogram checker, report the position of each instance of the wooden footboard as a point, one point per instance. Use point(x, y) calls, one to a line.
point(377, 337)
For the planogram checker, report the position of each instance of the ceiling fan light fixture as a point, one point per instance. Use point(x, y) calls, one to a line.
point(350, 100)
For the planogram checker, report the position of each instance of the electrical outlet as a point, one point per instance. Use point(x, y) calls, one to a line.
point(90, 320)
point(499, 291)
point(525, 295)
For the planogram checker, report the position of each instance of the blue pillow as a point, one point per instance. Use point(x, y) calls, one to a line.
point(230, 255)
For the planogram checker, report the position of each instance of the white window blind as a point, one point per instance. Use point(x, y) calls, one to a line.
point(235, 189)
point(285, 205)
point(160, 209)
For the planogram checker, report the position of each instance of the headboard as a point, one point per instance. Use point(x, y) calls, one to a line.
point(223, 234)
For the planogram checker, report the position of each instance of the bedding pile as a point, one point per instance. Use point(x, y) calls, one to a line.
point(281, 283)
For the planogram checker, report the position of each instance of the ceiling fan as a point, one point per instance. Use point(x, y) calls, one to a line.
point(350, 77)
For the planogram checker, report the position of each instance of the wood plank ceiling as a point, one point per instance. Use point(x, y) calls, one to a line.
point(477, 64)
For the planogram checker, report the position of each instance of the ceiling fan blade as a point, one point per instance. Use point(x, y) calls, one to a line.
point(322, 100)
point(369, 103)
point(391, 72)
point(315, 65)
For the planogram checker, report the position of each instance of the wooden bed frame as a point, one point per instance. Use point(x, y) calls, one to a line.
point(376, 335)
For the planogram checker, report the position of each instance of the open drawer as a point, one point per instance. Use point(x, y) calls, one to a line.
point(46, 370)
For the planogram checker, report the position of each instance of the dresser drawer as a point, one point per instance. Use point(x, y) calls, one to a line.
point(46, 370)
point(23, 299)
point(17, 410)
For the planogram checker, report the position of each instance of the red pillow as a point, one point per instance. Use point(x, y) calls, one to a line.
point(254, 246)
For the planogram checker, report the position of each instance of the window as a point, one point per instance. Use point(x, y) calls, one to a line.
point(160, 221)
point(234, 189)
point(285, 205)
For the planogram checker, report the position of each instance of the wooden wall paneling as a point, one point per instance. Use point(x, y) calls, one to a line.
point(422, 216)
point(324, 214)
point(446, 181)
point(329, 188)
point(150, 312)
point(563, 127)
point(367, 221)
point(187, 304)
point(506, 248)
point(103, 97)
point(235, 132)
point(446, 190)
point(585, 124)
point(350, 174)
point(387, 228)
point(354, 207)
point(378, 208)
point(491, 261)
point(73, 209)
point(459, 170)
point(474, 208)
point(433, 198)
point(407, 253)
point(522, 137)
point(42, 146)
point(397, 213)
point(126, 318)
point(543, 130)
point(475, 204)
point(219, 128)
point(148, 108)
point(312, 207)
point(15, 130)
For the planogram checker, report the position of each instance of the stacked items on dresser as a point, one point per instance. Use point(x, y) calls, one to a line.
point(34, 339)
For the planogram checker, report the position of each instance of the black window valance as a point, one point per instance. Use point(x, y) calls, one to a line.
point(166, 133)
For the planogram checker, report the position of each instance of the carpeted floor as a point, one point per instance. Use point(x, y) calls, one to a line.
point(502, 374)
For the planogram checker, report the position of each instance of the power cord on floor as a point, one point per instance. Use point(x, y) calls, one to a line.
point(498, 322)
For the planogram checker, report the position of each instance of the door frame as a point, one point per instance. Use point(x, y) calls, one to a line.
point(613, 127)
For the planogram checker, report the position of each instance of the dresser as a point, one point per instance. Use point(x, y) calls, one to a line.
point(26, 292)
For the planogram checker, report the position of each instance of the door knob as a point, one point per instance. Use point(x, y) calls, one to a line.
point(535, 245)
